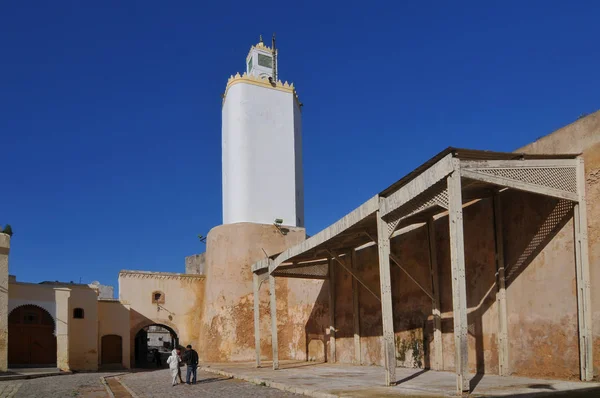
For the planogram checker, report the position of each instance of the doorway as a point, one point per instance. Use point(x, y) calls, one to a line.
point(153, 345)
point(112, 350)
point(31, 342)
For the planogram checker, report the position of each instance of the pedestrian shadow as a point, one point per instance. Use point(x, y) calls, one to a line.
point(213, 379)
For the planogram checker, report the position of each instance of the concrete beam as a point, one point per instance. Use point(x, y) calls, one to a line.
point(346, 222)
point(417, 186)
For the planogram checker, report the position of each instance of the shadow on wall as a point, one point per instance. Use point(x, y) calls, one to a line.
point(530, 223)
point(316, 336)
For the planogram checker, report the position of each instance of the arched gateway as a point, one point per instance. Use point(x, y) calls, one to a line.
point(150, 338)
point(32, 340)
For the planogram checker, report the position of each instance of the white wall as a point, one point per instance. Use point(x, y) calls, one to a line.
point(262, 173)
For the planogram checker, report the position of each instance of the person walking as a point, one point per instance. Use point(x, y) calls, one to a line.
point(179, 366)
point(173, 362)
point(191, 359)
point(157, 358)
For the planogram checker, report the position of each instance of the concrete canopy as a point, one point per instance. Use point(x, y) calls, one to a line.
point(413, 204)
point(442, 186)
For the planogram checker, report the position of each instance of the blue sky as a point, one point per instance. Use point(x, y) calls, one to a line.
point(110, 126)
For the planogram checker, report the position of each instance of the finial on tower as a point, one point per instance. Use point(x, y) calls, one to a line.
point(260, 40)
point(274, 55)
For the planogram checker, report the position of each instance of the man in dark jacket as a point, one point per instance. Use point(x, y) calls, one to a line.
point(190, 357)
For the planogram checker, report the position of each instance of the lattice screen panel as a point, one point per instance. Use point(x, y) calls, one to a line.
point(317, 271)
point(435, 196)
point(562, 178)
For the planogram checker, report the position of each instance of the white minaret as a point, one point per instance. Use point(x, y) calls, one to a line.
point(262, 145)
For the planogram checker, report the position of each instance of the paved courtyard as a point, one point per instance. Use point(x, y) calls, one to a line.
point(88, 385)
point(158, 384)
point(144, 384)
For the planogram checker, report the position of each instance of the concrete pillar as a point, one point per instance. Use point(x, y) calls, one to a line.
point(274, 343)
point(4, 249)
point(332, 354)
point(387, 312)
point(459, 289)
point(62, 296)
point(256, 291)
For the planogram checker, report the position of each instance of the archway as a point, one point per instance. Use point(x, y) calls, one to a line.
point(31, 338)
point(112, 350)
point(152, 345)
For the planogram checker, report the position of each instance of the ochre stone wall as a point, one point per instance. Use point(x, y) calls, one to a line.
point(541, 289)
point(113, 319)
point(83, 333)
point(582, 136)
point(542, 308)
point(227, 328)
point(181, 310)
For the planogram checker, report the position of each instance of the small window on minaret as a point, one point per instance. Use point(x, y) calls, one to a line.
point(250, 65)
point(265, 60)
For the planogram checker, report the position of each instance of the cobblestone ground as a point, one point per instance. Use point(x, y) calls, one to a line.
point(82, 385)
point(158, 384)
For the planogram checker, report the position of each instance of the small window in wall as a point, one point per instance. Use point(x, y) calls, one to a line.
point(158, 298)
point(78, 313)
point(265, 60)
point(250, 65)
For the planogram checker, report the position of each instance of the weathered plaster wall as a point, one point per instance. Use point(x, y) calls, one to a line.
point(83, 333)
point(541, 296)
point(196, 264)
point(76, 339)
point(582, 136)
point(227, 329)
point(181, 311)
point(260, 156)
point(105, 292)
point(302, 319)
point(113, 318)
point(4, 251)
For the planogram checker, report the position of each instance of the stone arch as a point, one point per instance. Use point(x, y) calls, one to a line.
point(48, 306)
point(32, 336)
point(138, 343)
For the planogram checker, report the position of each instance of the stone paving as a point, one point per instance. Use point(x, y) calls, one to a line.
point(143, 384)
point(82, 385)
point(158, 384)
point(339, 380)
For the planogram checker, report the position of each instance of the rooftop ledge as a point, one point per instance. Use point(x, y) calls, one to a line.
point(262, 82)
point(160, 275)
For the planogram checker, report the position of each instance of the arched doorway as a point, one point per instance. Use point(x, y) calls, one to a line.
point(31, 339)
point(152, 345)
point(112, 350)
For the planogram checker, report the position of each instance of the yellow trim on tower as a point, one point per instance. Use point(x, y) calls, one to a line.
point(261, 47)
point(261, 82)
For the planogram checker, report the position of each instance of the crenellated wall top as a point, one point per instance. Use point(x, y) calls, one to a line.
point(263, 82)
point(158, 275)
